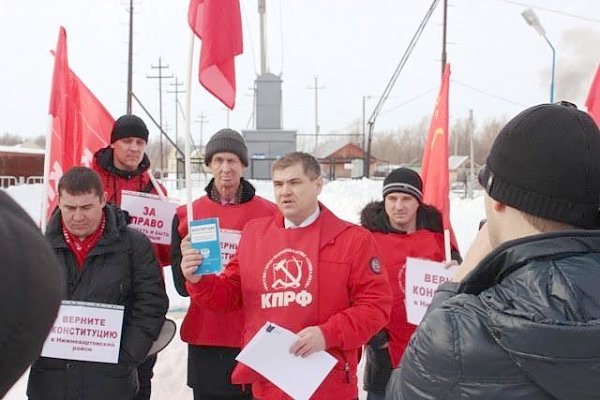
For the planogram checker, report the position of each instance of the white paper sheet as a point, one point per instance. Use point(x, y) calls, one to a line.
point(422, 279)
point(268, 353)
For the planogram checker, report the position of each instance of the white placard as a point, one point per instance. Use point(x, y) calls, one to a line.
point(150, 214)
point(86, 332)
point(422, 279)
point(230, 240)
point(268, 353)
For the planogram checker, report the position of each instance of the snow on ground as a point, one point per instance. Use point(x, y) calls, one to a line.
point(345, 198)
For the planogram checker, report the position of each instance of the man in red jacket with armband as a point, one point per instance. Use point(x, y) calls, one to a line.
point(214, 338)
point(305, 270)
point(403, 226)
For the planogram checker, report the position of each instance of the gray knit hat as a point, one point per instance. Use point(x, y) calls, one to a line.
point(229, 141)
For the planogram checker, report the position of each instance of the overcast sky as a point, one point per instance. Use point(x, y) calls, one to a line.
point(499, 63)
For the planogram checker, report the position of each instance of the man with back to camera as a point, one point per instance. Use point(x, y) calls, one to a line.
point(341, 298)
point(522, 318)
point(403, 226)
point(214, 338)
point(124, 165)
point(106, 262)
point(32, 289)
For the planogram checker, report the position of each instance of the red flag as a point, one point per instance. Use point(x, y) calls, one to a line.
point(435, 174)
point(218, 24)
point(593, 100)
point(80, 123)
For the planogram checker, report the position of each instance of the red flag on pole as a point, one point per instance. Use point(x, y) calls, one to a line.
point(593, 100)
point(80, 125)
point(435, 174)
point(218, 24)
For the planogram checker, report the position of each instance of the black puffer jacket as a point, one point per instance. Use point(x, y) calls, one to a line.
point(525, 324)
point(120, 269)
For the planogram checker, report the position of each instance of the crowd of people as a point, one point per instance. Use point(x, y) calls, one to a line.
point(519, 319)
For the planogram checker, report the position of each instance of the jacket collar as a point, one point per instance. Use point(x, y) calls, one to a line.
point(245, 191)
point(104, 159)
point(514, 254)
point(116, 221)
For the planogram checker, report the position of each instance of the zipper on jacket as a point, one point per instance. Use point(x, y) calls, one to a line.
point(347, 371)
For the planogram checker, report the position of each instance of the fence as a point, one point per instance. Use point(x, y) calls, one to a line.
point(8, 180)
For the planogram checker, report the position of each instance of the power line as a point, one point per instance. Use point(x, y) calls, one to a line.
point(488, 94)
point(552, 11)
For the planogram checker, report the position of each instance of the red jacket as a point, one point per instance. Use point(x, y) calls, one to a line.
point(394, 248)
point(115, 180)
point(205, 327)
point(325, 275)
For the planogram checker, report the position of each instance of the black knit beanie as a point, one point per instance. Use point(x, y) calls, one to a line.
point(129, 126)
point(229, 141)
point(546, 162)
point(403, 180)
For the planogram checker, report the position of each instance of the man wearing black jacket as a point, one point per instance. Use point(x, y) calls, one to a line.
point(522, 318)
point(104, 262)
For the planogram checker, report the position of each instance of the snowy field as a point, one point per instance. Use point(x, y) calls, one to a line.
point(345, 198)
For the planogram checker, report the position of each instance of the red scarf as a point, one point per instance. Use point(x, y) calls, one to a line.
point(81, 248)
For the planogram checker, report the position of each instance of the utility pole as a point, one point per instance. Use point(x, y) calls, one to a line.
point(366, 162)
point(130, 59)
point(160, 78)
point(317, 128)
point(202, 119)
point(177, 91)
point(471, 154)
point(444, 36)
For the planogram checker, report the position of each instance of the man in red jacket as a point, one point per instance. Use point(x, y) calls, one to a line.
point(306, 270)
point(124, 165)
point(215, 338)
point(403, 226)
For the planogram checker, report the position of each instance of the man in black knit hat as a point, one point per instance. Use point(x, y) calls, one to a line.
point(214, 339)
point(124, 165)
point(403, 226)
point(521, 319)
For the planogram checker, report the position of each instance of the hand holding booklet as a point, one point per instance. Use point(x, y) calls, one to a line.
point(204, 237)
point(268, 353)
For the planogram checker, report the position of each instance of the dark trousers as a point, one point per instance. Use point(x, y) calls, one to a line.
point(209, 374)
point(145, 374)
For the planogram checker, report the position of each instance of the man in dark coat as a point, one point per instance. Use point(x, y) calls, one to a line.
point(521, 319)
point(104, 262)
point(32, 288)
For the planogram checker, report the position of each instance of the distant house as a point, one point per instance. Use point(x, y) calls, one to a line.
point(20, 164)
point(343, 159)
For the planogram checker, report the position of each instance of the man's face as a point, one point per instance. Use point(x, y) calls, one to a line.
point(82, 213)
point(401, 209)
point(128, 153)
point(227, 170)
point(296, 193)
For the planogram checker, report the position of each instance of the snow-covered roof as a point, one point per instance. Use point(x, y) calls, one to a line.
point(21, 150)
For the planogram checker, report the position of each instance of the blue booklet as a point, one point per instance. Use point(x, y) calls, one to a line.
point(204, 236)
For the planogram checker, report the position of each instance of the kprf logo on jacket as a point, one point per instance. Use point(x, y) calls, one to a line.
point(286, 279)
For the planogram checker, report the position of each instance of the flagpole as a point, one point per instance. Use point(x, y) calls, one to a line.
point(188, 110)
point(447, 245)
point(46, 175)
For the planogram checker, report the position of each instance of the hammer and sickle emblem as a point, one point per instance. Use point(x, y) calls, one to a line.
point(436, 133)
point(291, 281)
